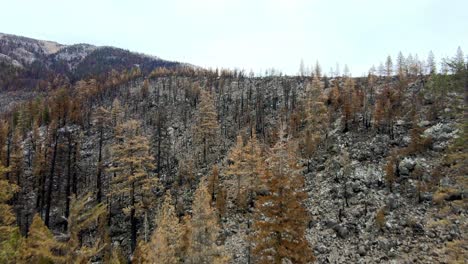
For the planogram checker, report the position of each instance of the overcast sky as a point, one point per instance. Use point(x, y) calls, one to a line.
point(250, 34)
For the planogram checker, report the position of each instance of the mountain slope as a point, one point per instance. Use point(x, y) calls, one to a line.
point(380, 160)
point(26, 61)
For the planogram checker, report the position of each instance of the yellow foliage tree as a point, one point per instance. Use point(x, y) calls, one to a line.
point(207, 126)
point(117, 256)
point(9, 234)
point(82, 217)
point(41, 246)
point(202, 231)
point(280, 218)
point(246, 164)
point(165, 243)
point(132, 165)
point(117, 112)
point(316, 118)
point(213, 182)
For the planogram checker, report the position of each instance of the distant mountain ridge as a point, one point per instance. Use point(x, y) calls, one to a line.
point(25, 61)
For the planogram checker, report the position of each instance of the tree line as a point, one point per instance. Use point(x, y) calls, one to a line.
point(116, 138)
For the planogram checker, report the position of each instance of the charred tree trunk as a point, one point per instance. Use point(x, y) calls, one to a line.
point(51, 181)
point(74, 186)
point(8, 157)
point(41, 192)
point(158, 165)
point(99, 167)
point(69, 175)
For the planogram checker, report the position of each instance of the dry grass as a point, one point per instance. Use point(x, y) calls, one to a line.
point(457, 251)
point(441, 194)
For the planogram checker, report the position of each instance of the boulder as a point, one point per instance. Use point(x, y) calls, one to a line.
point(341, 231)
point(440, 132)
point(424, 123)
point(321, 249)
point(362, 250)
point(392, 202)
point(417, 228)
point(383, 244)
point(406, 166)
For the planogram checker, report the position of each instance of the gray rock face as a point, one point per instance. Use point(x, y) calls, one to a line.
point(321, 249)
point(441, 132)
point(343, 199)
point(341, 231)
point(393, 202)
point(406, 166)
point(350, 234)
point(362, 251)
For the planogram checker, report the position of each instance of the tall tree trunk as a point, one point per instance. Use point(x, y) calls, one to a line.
point(74, 175)
point(99, 168)
point(8, 157)
point(41, 190)
point(158, 166)
point(51, 180)
point(68, 187)
point(40, 186)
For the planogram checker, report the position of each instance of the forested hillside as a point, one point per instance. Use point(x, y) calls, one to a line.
point(32, 65)
point(168, 164)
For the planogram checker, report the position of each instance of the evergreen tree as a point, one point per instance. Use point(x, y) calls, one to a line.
point(186, 173)
point(401, 65)
point(246, 163)
point(346, 72)
point(280, 218)
point(116, 112)
point(145, 89)
point(117, 256)
point(302, 70)
point(207, 127)
point(202, 231)
point(381, 70)
point(39, 169)
point(316, 118)
point(102, 120)
point(16, 158)
point(213, 182)
point(160, 139)
point(83, 216)
point(431, 64)
point(40, 246)
point(132, 166)
point(105, 241)
point(389, 66)
point(316, 111)
point(165, 243)
point(236, 168)
point(458, 62)
point(317, 70)
point(9, 233)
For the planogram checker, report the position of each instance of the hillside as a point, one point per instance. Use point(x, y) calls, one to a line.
point(26, 63)
point(185, 165)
